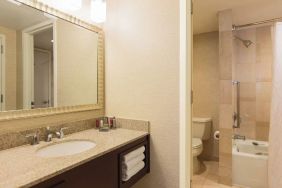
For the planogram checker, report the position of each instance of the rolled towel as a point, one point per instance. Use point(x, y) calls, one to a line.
point(133, 154)
point(133, 162)
point(127, 174)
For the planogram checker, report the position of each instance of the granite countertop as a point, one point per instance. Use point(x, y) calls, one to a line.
point(21, 167)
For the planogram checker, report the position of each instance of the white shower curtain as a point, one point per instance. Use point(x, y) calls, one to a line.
point(275, 137)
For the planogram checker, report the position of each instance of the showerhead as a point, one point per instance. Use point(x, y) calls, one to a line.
point(246, 43)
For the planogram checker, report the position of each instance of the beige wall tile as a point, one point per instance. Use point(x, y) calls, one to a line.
point(248, 110)
point(264, 46)
point(247, 91)
point(225, 20)
point(263, 72)
point(225, 116)
point(262, 131)
point(263, 91)
point(225, 92)
point(248, 129)
point(225, 144)
point(245, 72)
point(226, 61)
point(225, 55)
point(225, 160)
point(263, 111)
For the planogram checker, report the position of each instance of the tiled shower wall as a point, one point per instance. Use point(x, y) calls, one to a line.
point(225, 98)
point(253, 68)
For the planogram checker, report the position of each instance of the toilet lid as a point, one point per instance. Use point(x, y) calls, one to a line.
point(196, 142)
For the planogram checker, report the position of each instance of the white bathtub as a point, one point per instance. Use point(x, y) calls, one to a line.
point(249, 163)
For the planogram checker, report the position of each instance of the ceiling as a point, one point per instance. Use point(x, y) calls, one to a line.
point(244, 11)
point(19, 17)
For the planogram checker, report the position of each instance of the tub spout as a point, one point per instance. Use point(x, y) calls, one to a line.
point(239, 137)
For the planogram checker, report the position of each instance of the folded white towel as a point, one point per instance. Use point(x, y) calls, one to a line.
point(133, 162)
point(127, 174)
point(133, 154)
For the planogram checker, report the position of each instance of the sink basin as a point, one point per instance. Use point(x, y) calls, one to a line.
point(65, 148)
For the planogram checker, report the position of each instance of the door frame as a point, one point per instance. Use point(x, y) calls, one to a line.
point(3, 73)
point(28, 60)
point(185, 102)
point(50, 74)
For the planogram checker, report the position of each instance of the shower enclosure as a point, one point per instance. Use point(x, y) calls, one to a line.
point(246, 59)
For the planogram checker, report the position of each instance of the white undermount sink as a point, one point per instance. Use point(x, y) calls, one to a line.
point(65, 148)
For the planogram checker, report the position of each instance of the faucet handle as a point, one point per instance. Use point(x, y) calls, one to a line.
point(34, 136)
point(62, 134)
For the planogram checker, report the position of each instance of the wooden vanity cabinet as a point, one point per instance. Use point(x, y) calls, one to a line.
point(102, 172)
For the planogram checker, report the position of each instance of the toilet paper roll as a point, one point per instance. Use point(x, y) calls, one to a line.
point(216, 135)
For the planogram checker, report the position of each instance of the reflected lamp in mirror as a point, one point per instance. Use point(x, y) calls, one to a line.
point(98, 11)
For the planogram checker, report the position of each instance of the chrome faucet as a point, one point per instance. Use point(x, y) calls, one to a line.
point(35, 138)
point(239, 137)
point(59, 134)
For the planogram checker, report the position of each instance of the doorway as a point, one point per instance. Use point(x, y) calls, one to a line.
point(42, 85)
point(38, 53)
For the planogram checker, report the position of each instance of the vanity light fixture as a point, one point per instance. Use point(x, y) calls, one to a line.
point(98, 11)
point(66, 5)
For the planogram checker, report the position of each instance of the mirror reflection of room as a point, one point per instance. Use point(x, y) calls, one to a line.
point(41, 64)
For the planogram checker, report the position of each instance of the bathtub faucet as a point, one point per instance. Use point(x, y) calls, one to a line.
point(239, 137)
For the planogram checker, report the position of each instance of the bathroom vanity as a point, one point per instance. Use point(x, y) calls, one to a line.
point(97, 167)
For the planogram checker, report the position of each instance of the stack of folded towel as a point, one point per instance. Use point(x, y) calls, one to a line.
point(132, 163)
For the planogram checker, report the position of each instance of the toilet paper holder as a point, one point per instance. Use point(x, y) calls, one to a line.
point(216, 135)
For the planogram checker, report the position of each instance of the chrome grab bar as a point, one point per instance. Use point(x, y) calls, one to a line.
point(236, 114)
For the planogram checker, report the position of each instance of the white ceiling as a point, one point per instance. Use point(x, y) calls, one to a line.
point(244, 11)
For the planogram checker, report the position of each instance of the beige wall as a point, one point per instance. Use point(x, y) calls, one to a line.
point(77, 50)
point(142, 78)
point(275, 139)
point(253, 68)
point(11, 67)
point(206, 85)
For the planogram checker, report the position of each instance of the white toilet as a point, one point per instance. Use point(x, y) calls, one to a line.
point(201, 131)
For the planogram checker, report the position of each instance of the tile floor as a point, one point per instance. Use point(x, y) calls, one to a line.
point(208, 177)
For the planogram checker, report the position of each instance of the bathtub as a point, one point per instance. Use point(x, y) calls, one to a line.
point(249, 163)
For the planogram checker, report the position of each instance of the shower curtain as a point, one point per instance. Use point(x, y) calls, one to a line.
point(275, 137)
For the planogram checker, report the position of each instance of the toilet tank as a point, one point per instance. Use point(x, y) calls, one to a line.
point(202, 128)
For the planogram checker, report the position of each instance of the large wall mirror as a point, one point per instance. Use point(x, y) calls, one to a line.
point(45, 61)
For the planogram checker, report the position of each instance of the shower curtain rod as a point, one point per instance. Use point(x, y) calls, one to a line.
point(236, 27)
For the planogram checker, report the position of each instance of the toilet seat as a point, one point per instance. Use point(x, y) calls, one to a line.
point(197, 147)
point(196, 143)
